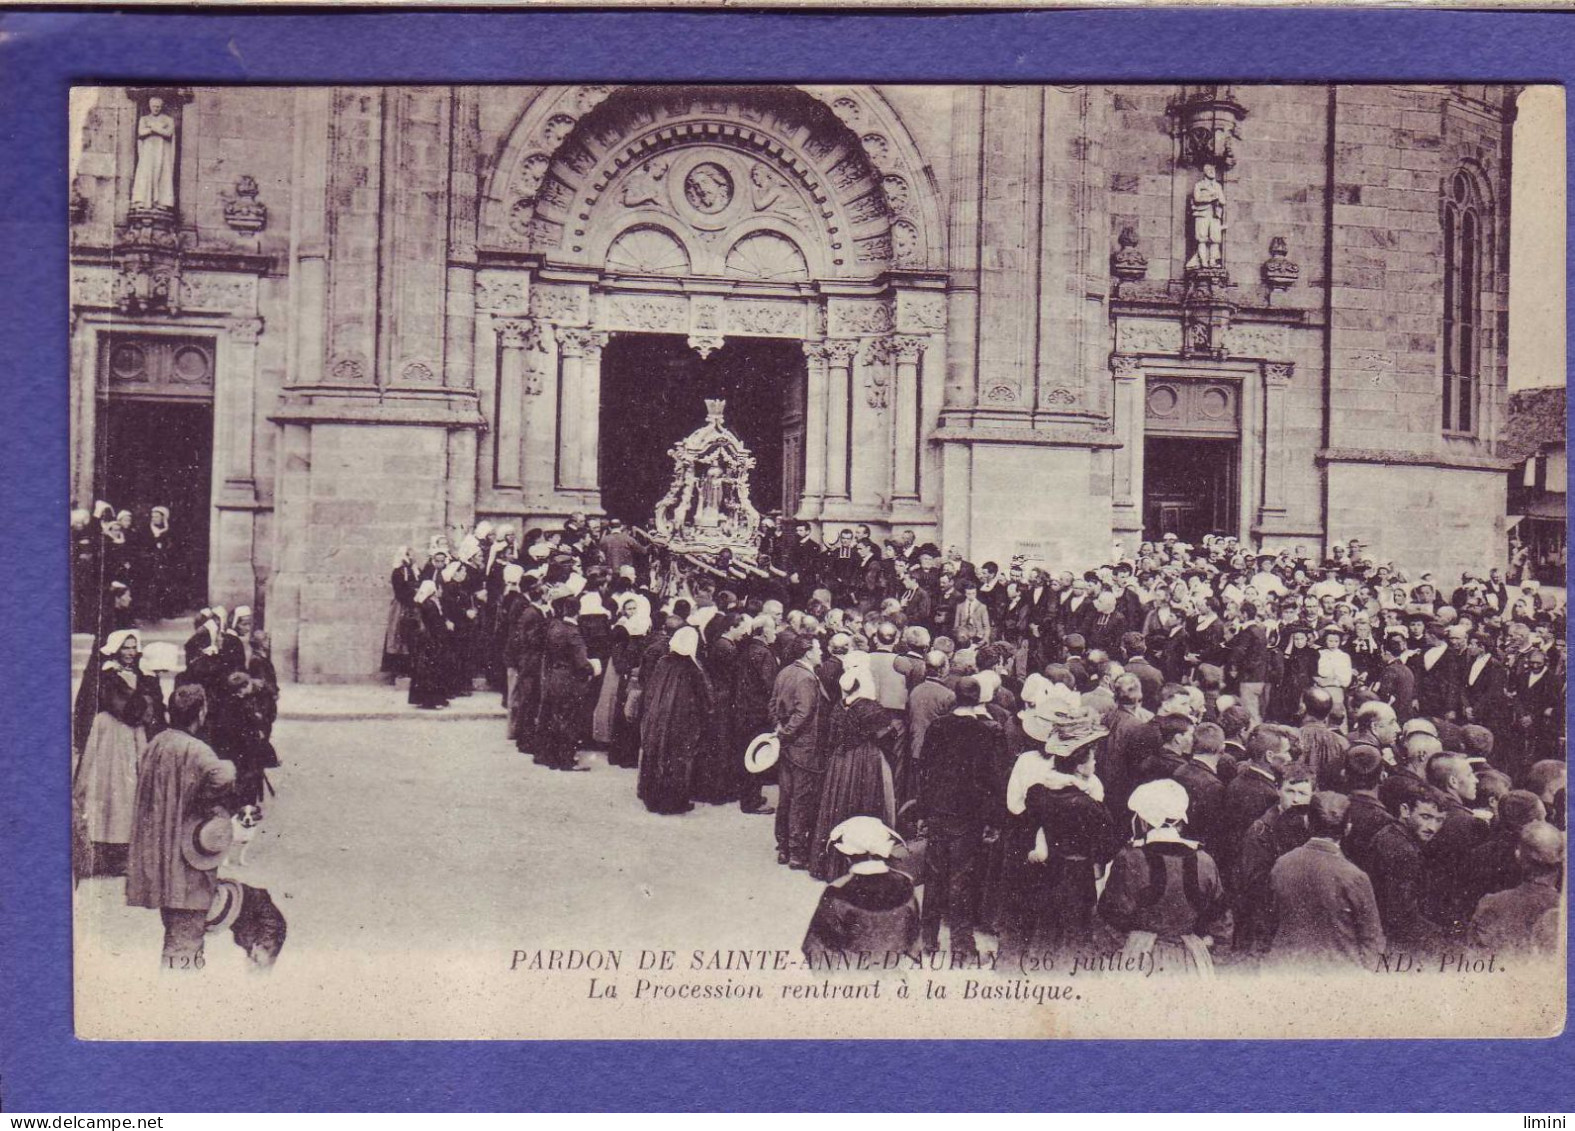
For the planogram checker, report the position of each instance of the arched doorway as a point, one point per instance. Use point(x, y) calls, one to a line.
point(760, 223)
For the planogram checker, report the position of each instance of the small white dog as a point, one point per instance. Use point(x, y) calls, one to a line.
point(245, 824)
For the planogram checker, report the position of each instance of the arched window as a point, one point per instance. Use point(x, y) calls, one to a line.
point(1463, 239)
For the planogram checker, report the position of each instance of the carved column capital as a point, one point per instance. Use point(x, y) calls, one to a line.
point(1126, 367)
point(814, 351)
point(1279, 372)
point(515, 332)
point(577, 342)
point(908, 348)
point(842, 351)
point(244, 331)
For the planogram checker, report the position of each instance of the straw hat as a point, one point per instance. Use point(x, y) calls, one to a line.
point(762, 753)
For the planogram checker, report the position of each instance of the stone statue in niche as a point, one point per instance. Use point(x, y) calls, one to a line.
point(153, 180)
point(1206, 207)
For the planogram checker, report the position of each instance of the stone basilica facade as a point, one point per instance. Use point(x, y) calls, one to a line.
point(322, 323)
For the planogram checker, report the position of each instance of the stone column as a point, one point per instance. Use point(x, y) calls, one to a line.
point(906, 350)
point(840, 353)
point(240, 373)
point(580, 390)
point(513, 336)
point(817, 387)
point(1276, 382)
point(1128, 409)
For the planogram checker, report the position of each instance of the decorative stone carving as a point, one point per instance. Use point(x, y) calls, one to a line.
point(244, 212)
point(769, 191)
point(556, 131)
point(1279, 372)
point(896, 190)
point(705, 344)
point(1207, 118)
point(533, 168)
point(1147, 335)
point(92, 287)
point(500, 294)
point(647, 184)
point(767, 256)
point(525, 334)
point(848, 110)
point(705, 312)
point(1060, 397)
point(148, 262)
point(347, 370)
point(708, 188)
point(904, 244)
point(558, 304)
point(920, 313)
point(1001, 394)
point(417, 373)
point(1206, 315)
point(707, 509)
point(877, 147)
point(1127, 263)
point(244, 331)
point(658, 313)
point(1278, 271)
point(203, 291)
point(1255, 340)
point(768, 318)
point(861, 317)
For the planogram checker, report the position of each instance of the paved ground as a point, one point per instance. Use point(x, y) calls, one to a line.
point(417, 836)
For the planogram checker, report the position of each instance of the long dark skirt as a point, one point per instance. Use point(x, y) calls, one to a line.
point(717, 768)
point(562, 710)
point(429, 682)
point(1048, 911)
point(858, 784)
point(525, 707)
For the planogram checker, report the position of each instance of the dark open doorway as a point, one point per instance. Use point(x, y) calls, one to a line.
point(654, 389)
point(155, 452)
point(1189, 487)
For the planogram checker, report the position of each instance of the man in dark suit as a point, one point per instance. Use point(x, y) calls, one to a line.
point(1399, 872)
point(1253, 791)
point(958, 799)
point(1397, 682)
point(1449, 899)
point(1249, 661)
point(1200, 777)
point(802, 563)
point(1127, 747)
point(1439, 670)
point(1106, 626)
point(1539, 709)
point(1364, 769)
point(797, 701)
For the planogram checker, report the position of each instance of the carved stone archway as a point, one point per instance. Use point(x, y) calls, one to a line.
point(708, 212)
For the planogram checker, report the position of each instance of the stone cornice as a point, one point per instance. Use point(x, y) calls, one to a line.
point(323, 405)
point(235, 262)
point(1413, 459)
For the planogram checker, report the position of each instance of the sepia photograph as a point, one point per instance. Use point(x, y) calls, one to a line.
point(641, 561)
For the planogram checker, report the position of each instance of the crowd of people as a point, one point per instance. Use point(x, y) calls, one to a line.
point(123, 570)
point(1205, 754)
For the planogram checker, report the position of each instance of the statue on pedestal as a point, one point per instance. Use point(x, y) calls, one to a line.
point(1206, 207)
point(153, 181)
point(707, 508)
